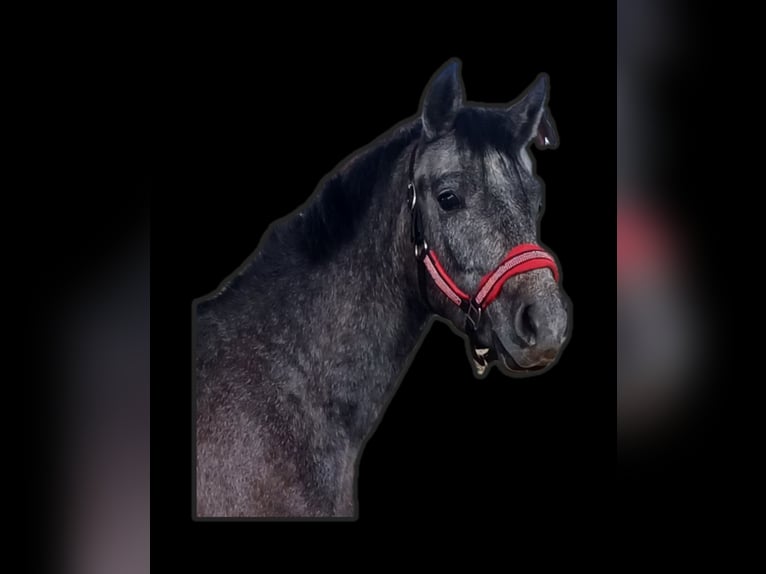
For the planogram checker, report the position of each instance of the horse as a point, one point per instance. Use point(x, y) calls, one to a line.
point(298, 353)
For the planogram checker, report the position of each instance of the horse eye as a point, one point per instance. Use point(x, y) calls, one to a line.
point(448, 201)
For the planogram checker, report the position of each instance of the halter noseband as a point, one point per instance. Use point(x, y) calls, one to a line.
point(520, 259)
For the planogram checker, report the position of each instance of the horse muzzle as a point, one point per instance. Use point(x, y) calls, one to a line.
point(529, 333)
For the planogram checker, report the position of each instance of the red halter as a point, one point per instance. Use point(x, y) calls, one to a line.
point(521, 259)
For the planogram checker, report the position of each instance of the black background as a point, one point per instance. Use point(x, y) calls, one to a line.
point(259, 126)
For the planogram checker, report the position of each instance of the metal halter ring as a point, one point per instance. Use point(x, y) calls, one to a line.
point(420, 249)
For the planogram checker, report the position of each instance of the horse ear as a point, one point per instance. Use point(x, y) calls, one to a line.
point(531, 118)
point(442, 100)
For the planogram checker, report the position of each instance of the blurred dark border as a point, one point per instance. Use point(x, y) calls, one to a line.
point(695, 177)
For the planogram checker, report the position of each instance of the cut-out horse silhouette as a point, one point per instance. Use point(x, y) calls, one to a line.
point(299, 352)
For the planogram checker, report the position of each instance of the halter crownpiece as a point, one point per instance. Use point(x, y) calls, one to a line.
point(520, 259)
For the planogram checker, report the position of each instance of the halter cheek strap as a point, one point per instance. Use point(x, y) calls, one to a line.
point(521, 259)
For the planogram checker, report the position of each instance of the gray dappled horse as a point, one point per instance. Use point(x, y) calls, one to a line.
point(298, 353)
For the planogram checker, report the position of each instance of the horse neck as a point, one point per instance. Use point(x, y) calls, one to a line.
point(383, 246)
point(380, 262)
point(377, 315)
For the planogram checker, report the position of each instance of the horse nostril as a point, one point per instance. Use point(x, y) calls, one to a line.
point(526, 325)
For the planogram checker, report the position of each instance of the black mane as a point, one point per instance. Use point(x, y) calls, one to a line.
point(331, 218)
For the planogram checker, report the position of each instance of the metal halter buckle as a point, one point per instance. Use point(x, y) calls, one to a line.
point(473, 314)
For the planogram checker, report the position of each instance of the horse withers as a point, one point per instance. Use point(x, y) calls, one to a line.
point(297, 354)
